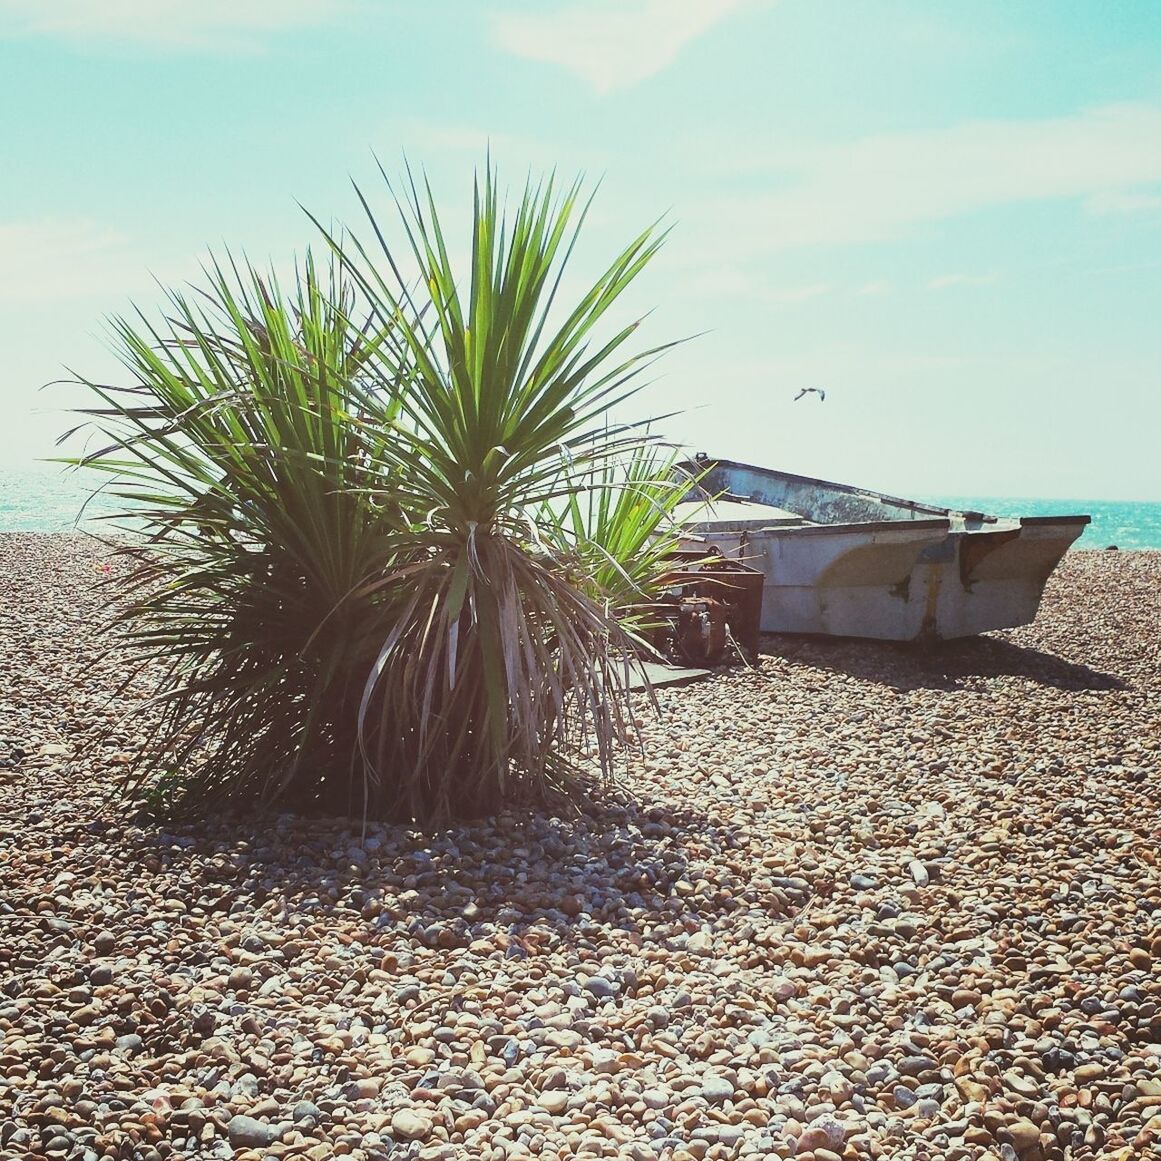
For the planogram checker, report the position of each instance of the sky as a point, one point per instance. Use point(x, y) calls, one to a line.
point(947, 216)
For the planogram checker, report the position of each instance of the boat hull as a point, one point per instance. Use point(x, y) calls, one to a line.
point(923, 574)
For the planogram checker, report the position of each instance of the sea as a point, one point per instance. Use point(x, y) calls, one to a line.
point(47, 498)
point(1123, 524)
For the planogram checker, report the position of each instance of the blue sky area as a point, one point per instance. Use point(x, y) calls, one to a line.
point(947, 215)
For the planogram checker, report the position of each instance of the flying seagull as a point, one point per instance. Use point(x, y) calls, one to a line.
point(808, 390)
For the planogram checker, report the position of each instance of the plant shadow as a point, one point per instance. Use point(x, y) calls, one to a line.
point(524, 884)
point(949, 665)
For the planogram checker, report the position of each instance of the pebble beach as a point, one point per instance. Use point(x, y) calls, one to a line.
point(857, 902)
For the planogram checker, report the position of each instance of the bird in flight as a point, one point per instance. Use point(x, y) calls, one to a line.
point(811, 390)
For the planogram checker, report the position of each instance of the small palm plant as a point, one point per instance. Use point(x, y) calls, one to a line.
point(620, 520)
point(246, 456)
point(362, 559)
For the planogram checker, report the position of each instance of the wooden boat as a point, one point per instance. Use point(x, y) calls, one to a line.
point(849, 562)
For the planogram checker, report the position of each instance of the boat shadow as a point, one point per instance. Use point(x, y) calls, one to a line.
point(949, 665)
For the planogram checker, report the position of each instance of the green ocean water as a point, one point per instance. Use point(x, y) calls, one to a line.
point(43, 498)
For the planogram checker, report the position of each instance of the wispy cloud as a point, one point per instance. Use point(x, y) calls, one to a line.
point(789, 294)
point(420, 137)
point(53, 261)
point(49, 260)
point(734, 282)
point(175, 24)
point(1123, 202)
point(945, 281)
point(879, 188)
point(610, 44)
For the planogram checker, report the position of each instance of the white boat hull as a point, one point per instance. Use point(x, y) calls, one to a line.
point(927, 574)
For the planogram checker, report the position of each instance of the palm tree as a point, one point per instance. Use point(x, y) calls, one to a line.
point(363, 570)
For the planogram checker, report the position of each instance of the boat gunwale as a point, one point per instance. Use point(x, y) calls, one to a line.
point(1042, 520)
point(935, 515)
point(935, 524)
point(709, 463)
